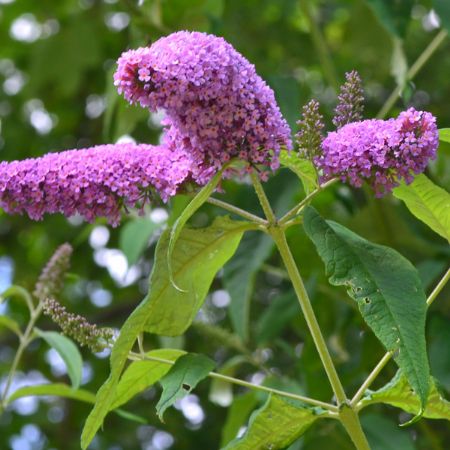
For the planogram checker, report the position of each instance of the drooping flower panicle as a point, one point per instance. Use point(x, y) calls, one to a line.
point(93, 182)
point(350, 101)
point(381, 152)
point(51, 280)
point(309, 136)
point(216, 106)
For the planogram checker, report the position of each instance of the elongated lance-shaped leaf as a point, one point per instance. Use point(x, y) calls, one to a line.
point(398, 393)
point(387, 289)
point(68, 351)
point(140, 375)
point(428, 202)
point(302, 167)
point(183, 376)
point(165, 310)
point(187, 213)
point(276, 425)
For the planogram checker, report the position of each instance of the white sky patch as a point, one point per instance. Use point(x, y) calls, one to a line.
point(431, 21)
point(99, 237)
point(39, 117)
point(100, 297)
point(57, 365)
point(126, 139)
point(95, 105)
point(159, 215)
point(162, 440)
point(25, 28)
point(220, 298)
point(117, 21)
point(191, 409)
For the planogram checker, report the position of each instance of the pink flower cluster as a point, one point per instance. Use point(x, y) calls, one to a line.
point(216, 106)
point(94, 182)
point(381, 152)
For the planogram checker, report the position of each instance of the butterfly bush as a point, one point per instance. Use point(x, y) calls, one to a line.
point(216, 105)
point(380, 151)
point(93, 182)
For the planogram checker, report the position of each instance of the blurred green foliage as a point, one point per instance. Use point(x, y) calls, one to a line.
point(56, 65)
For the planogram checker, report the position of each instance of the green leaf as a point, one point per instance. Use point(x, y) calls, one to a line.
point(398, 393)
point(165, 310)
point(442, 8)
point(393, 15)
point(184, 375)
point(68, 351)
point(428, 202)
point(276, 425)
point(384, 434)
point(444, 134)
point(187, 213)
point(302, 167)
point(238, 414)
point(55, 389)
point(139, 375)
point(387, 289)
point(17, 292)
point(134, 237)
point(11, 324)
point(239, 278)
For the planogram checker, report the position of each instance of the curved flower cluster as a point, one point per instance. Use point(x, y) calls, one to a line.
point(380, 151)
point(216, 106)
point(93, 182)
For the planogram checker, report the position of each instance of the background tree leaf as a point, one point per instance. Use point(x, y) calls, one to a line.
point(10, 324)
point(183, 376)
point(398, 393)
point(442, 7)
point(276, 425)
point(54, 389)
point(134, 237)
point(394, 15)
point(428, 202)
point(387, 289)
point(68, 351)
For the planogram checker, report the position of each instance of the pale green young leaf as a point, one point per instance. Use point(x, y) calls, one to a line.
point(276, 425)
point(140, 375)
point(10, 324)
point(238, 414)
point(187, 213)
point(68, 351)
point(398, 393)
point(17, 292)
point(387, 289)
point(134, 237)
point(165, 310)
point(302, 167)
point(444, 135)
point(428, 202)
point(183, 376)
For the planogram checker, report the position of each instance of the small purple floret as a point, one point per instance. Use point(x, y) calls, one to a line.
point(93, 182)
point(216, 106)
point(381, 152)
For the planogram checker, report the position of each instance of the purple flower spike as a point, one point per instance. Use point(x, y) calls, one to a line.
point(93, 182)
point(216, 106)
point(380, 151)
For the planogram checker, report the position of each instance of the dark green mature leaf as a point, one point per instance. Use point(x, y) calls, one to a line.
point(387, 289)
point(442, 7)
point(393, 14)
point(198, 255)
point(183, 376)
point(399, 393)
point(438, 337)
point(134, 237)
point(239, 278)
point(276, 425)
point(428, 202)
point(302, 167)
point(140, 375)
point(237, 416)
point(68, 351)
point(384, 434)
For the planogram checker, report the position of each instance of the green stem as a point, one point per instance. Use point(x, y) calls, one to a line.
point(238, 211)
point(321, 46)
point(237, 381)
point(412, 72)
point(263, 200)
point(25, 339)
point(386, 358)
point(350, 420)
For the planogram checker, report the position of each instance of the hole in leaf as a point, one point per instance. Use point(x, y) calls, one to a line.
point(186, 387)
point(358, 289)
point(367, 300)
